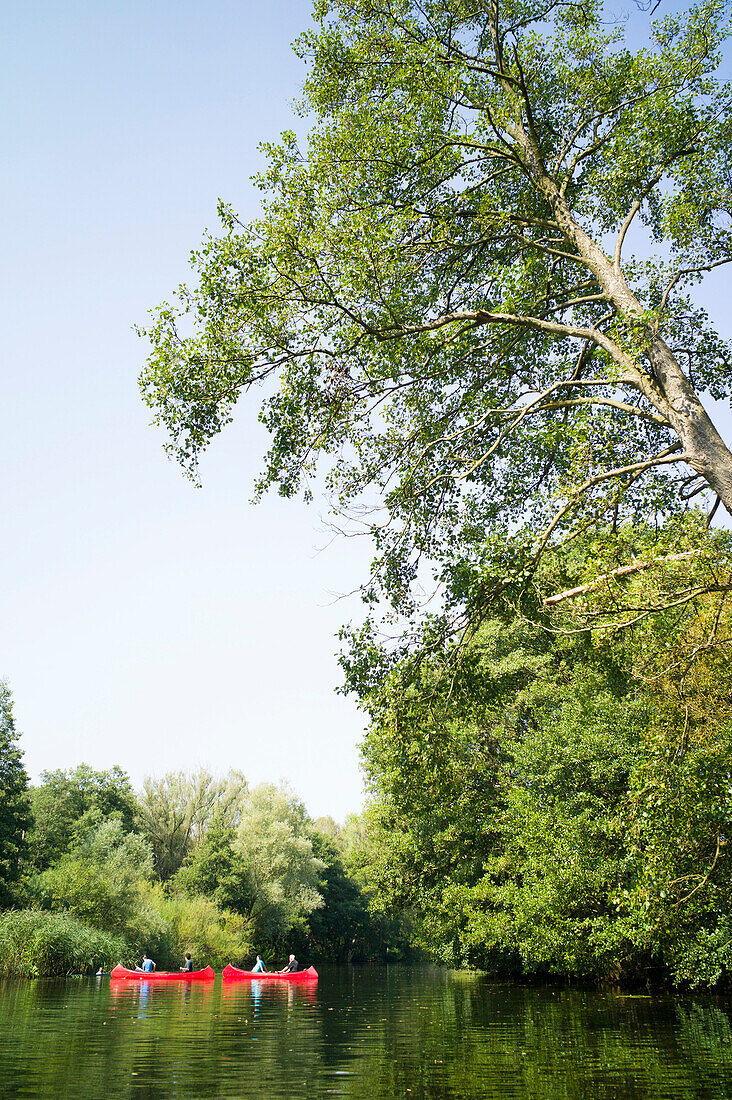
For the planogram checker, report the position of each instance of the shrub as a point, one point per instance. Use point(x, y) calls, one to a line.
point(100, 880)
point(213, 936)
point(35, 944)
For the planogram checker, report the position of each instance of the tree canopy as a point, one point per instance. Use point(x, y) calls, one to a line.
point(177, 809)
point(67, 804)
point(470, 293)
point(274, 843)
point(560, 802)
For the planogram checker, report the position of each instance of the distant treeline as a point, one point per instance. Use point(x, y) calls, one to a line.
point(93, 872)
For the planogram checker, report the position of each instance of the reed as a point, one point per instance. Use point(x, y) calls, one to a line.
point(35, 943)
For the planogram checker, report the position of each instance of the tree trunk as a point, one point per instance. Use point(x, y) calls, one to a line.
point(669, 389)
point(706, 451)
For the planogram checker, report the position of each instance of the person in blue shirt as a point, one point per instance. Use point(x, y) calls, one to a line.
point(259, 967)
point(147, 965)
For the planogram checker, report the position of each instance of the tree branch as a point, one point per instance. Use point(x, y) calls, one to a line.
point(621, 571)
point(670, 455)
point(629, 218)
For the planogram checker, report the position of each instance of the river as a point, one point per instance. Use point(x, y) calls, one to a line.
point(368, 1033)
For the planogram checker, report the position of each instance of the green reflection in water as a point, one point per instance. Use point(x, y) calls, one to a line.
point(392, 1033)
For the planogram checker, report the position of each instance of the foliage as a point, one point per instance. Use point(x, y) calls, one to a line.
point(278, 871)
point(104, 883)
point(595, 842)
point(176, 810)
point(273, 840)
point(68, 803)
point(679, 809)
point(35, 944)
point(609, 862)
point(441, 290)
point(217, 869)
point(101, 881)
point(14, 804)
point(343, 928)
point(194, 923)
point(433, 759)
point(377, 925)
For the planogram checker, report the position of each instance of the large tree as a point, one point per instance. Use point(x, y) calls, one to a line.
point(15, 815)
point(471, 287)
point(273, 842)
point(177, 810)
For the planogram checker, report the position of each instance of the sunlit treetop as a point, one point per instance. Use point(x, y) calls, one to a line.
point(469, 295)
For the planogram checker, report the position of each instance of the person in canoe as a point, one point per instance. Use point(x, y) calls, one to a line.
point(187, 966)
point(292, 967)
point(147, 965)
point(259, 967)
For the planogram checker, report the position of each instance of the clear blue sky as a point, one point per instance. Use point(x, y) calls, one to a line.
point(145, 622)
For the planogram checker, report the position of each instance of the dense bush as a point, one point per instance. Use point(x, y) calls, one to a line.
point(35, 944)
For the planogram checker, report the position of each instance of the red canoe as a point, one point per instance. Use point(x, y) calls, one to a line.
point(121, 973)
point(234, 974)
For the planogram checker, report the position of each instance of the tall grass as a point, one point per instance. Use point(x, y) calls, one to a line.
point(35, 943)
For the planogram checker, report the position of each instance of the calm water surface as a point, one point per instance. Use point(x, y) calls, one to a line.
point(376, 1033)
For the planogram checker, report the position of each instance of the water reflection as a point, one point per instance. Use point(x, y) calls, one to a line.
point(387, 1033)
point(141, 994)
point(254, 992)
